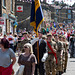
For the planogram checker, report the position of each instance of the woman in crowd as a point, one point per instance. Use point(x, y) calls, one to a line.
point(28, 59)
point(6, 54)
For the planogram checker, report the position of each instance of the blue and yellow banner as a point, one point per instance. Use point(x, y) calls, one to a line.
point(36, 15)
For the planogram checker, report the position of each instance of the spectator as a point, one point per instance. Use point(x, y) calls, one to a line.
point(42, 50)
point(28, 59)
point(11, 40)
point(6, 54)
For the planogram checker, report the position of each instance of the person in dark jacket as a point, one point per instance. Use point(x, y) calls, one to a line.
point(71, 46)
point(42, 50)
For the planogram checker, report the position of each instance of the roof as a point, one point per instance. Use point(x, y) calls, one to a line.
point(68, 7)
point(55, 6)
point(59, 7)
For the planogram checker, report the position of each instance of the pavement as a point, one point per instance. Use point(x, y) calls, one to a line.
point(70, 66)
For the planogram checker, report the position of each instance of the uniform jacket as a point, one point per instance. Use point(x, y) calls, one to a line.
point(42, 49)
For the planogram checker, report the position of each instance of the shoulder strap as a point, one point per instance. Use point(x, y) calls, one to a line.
point(52, 51)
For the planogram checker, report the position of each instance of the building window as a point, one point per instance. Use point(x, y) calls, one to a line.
point(4, 3)
point(69, 11)
point(69, 16)
point(11, 5)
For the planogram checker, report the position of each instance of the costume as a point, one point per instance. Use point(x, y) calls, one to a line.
point(51, 60)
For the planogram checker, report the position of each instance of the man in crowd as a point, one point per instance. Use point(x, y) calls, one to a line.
point(72, 45)
point(66, 46)
point(51, 60)
point(59, 55)
point(11, 40)
point(23, 41)
point(42, 50)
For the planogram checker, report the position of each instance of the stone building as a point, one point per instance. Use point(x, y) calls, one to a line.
point(26, 13)
point(65, 15)
point(73, 15)
point(50, 11)
point(8, 12)
point(61, 15)
point(46, 13)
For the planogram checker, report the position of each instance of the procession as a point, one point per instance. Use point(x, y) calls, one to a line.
point(37, 39)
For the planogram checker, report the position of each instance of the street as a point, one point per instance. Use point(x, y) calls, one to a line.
point(70, 66)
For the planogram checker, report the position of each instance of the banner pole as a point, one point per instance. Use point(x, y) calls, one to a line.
point(37, 47)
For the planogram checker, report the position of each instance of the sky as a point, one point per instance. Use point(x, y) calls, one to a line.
point(70, 2)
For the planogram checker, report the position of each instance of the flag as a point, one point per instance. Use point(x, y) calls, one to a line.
point(15, 23)
point(36, 15)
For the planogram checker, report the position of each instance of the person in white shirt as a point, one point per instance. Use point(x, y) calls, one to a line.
point(11, 40)
point(15, 42)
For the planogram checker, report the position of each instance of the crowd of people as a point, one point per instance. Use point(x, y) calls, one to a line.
point(50, 59)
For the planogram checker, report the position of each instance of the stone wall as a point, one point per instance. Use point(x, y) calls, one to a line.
point(26, 13)
point(23, 15)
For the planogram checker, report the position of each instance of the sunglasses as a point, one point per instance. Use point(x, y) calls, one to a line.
point(26, 47)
